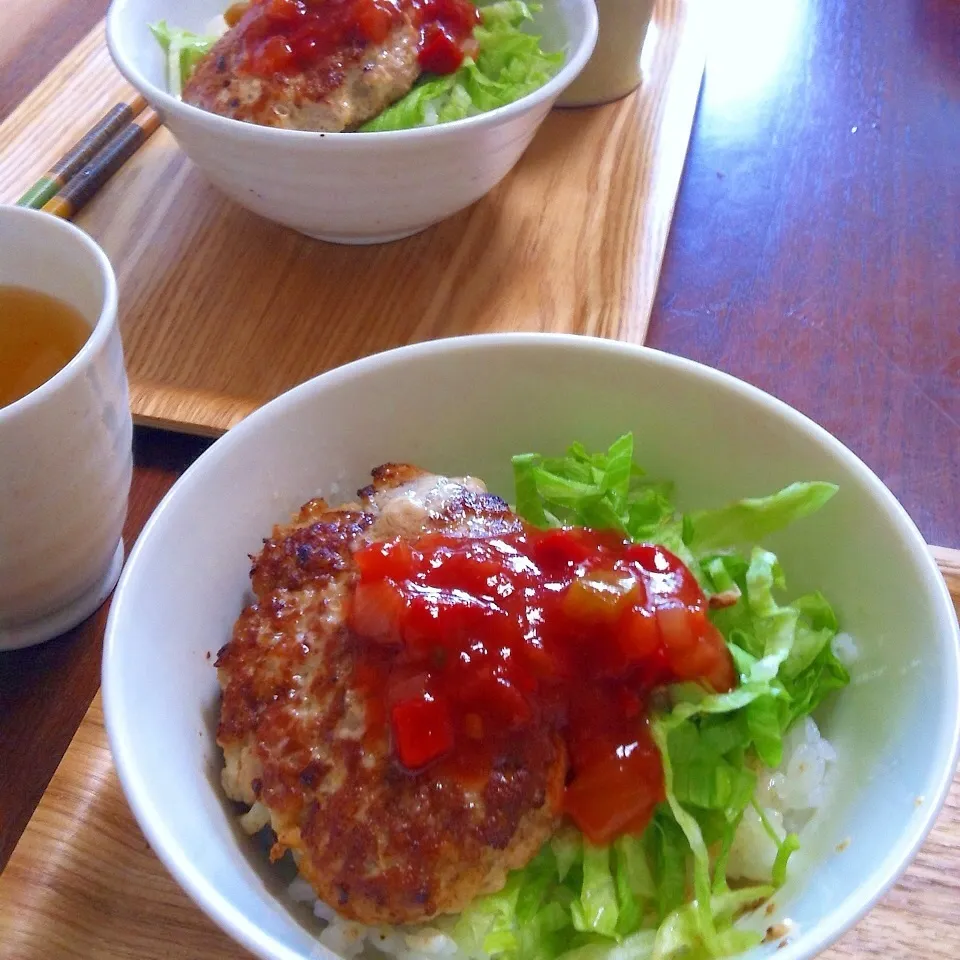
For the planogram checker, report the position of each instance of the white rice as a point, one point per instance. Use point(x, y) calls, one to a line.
point(426, 941)
point(845, 649)
point(789, 797)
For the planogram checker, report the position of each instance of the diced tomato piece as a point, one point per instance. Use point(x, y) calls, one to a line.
point(617, 794)
point(540, 663)
point(374, 20)
point(422, 628)
point(587, 748)
point(436, 543)
point(598, 724)
point(285, 11)
point(275, 56)
point(409, 684)
point(641, 821)
point(422, 730)
point(558, 550)
point(305, 48)
point(507, 703)
point(639, 634)
point(707, 659)
point(376, 611)
point(393, 560)
point(463, 13)
point(467, 570)
point(629, 703)
point(439, 52)
point(651, 557)
point(473, 726)
point(676, 629)
point(495, 698)
point(369, 677)
point(599, 596)
point(722, 675)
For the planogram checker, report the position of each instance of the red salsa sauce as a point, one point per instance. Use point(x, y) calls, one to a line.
point(468, 641)
point(284, 37)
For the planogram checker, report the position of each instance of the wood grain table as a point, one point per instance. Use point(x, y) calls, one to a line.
point(815, 252)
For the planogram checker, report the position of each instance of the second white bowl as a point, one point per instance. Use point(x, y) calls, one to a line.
point(347, 187)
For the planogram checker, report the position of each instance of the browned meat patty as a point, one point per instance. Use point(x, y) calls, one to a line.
point(334, 93)
point(377, 843)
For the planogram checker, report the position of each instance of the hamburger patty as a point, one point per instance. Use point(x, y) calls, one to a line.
point(378, 843)
point(335, 94)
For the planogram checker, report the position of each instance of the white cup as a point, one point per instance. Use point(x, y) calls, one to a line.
point(65, 448)
point(613, 70)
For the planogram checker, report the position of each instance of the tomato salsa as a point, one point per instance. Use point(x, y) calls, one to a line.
point(291, 36)
point(467, 641)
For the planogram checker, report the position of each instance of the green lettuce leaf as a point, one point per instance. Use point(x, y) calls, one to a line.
point(596, 911)
point(638, 946)
point(749, 521)
point(708, 771)
point(603, 490)
point(634, 882)
point(810, 688)
point(183, 49)
point(489, 924)
point(509, 64)
point(679, 936)
point(766, 724)
point(668, 851)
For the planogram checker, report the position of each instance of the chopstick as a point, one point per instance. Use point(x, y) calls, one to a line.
point(77, 176)
point(84, 185)
point(77, 157)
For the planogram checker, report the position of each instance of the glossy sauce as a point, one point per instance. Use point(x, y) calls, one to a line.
point(283, 37)
point(39, 335)
point(468, 641)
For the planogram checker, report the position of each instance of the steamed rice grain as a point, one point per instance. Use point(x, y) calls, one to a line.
point(788, 796)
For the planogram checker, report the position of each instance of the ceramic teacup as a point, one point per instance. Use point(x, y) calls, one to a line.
point(613, 70)
point(65, 448)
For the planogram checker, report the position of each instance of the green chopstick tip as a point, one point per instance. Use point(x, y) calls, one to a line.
point(43, 190)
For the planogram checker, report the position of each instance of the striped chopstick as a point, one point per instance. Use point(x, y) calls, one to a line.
point(83, 185)
point(81, 153)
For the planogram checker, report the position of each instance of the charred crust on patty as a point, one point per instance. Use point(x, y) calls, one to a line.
point(309, 554)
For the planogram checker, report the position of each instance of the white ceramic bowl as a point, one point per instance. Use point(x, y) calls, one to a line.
point(347, 187)
point(465, 405)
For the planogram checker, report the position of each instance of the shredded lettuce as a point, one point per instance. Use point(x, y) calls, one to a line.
point(183, 51)
point(596, 911)
point(508, 65)
point(665, 895)
point(748, 521)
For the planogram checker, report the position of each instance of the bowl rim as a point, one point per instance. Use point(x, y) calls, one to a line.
point(807, 944)
point(162, 100)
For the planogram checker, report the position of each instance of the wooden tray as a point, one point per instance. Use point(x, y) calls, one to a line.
point(221, 311)
point(83, 882)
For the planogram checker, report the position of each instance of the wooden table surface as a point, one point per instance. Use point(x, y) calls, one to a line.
point(815, 252)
